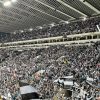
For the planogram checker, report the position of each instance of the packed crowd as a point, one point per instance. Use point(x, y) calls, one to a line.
point(64, 29)
point(40, 67)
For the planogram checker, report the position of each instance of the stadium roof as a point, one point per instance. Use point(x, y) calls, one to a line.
point(25, 14)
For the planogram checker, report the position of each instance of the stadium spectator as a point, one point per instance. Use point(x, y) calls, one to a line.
point(55, 61)
point(58, 30)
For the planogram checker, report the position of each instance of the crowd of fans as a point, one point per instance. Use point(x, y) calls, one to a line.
point(52, 62)
point(63, 29)
point(41, 67)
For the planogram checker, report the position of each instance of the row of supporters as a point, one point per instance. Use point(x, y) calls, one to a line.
point(47, 40)
point(43, 67)
point(62, 29)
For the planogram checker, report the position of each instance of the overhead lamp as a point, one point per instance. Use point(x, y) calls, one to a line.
point(84, 19)
point(67, 22)
point(31, 29)
point(21, 31)
point(14, 32)
point(7, 3)
point(40, 27)
point(52, 24)
point(13, 0)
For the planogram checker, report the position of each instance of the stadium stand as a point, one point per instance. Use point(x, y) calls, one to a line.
point(24, 65)
point(64, 29)
point(50, 50)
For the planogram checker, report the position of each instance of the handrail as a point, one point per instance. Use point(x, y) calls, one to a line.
point(70, 40)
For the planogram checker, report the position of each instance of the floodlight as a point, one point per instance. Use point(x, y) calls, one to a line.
point(52, 24)
point(84, 19)
point(40, 27)
point(21, 31)
point(67, 22)
point(13, 0)
point(30, 29)
point(7, 3)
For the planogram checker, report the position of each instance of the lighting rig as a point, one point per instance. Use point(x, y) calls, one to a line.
point(7, 3)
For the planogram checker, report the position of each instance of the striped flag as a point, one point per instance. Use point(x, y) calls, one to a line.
point(28, 92)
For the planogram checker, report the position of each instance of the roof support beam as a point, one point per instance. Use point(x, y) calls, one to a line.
point(54, 9)
point(32, 14)
point(32, 19)
point(90, 6)
point(28, 12)
point(42, 11)
point(65, 4)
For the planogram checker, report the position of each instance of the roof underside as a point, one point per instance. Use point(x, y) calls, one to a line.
point(25, 14)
